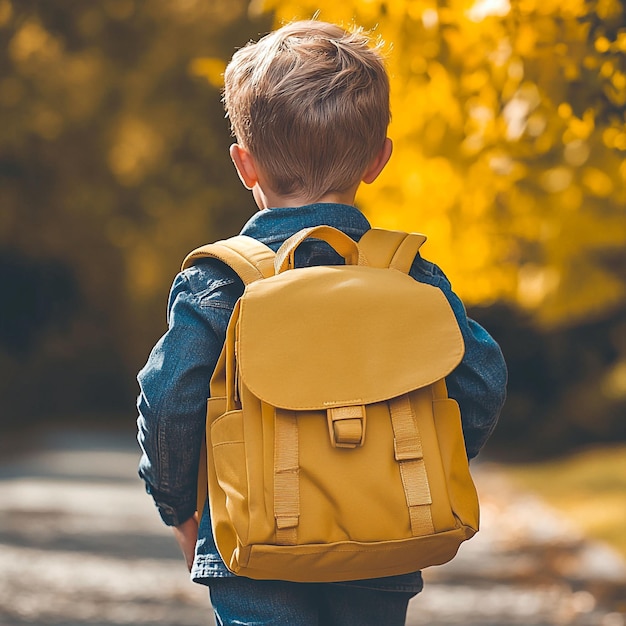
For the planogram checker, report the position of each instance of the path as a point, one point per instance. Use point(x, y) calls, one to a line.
point(81, 545)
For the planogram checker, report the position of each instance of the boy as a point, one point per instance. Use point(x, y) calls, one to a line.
point(309, 107)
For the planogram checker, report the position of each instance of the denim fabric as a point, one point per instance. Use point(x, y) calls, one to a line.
point(174, 384)
point(276, 603)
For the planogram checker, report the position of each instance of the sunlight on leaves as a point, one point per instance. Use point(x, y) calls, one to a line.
point(210, 68)
point(509, 132)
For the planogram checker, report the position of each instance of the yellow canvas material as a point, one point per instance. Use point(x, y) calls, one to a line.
point(332, 449)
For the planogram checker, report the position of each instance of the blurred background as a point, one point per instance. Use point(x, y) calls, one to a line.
point(509, 132)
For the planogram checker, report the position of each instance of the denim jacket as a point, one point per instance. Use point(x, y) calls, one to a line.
point(174, 384)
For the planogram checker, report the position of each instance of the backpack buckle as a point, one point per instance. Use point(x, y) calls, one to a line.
point(346, 426)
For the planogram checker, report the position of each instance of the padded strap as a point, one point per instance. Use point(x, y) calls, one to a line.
point(286, 477)
point(391, 248)
point(251, 259)
point(408, 451)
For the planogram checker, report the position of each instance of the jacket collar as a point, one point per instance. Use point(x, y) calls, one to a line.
point(273, 226)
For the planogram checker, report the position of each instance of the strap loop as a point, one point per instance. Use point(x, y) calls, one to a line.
point(286, 477)
point(407, 449)
point(410, 457)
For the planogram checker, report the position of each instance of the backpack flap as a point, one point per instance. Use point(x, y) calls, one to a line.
point(343, 336)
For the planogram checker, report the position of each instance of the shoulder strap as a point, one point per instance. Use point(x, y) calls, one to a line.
point(391, 248)
point(251, 259)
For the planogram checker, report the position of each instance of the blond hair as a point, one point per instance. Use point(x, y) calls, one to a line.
point(310, 102)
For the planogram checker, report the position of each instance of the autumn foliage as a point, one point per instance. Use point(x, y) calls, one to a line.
point(510, 144)
point(509, 132)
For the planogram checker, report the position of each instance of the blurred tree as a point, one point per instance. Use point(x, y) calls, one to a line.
point(113, 163)
point(28, 313)
point(567, 387)
point(510, 133)
point(509, 127)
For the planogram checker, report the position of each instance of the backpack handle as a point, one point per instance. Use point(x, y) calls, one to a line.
point(339, 241)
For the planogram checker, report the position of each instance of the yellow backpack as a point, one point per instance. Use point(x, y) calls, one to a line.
point(332, 449)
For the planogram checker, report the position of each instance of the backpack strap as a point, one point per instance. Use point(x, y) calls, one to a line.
point(249, 258)
point(397, 250)
point(391, 248)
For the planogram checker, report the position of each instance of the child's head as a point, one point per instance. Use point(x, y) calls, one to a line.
point(310, 103)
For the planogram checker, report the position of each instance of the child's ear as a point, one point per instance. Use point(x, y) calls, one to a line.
point(378, 164)
point(245, 165)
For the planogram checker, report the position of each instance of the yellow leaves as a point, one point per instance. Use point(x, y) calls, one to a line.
point(475, 81)
point(503, 152)
point(602, 44)
point(597, 182)
point(575, 299)
point(535, 283)
point(145, 279)
point(567, 8)
point(457, 43)
point(136, 149)
point(556, 179)
point(479, 128)
point(414, 101)
point(430, 18)
point(577, 128)
point(6, 12)
point(572, 9)
point(525, 40)
point(607, 69)
point(431, 187)
point(339, 13)
point(482, 9)
point(32, 41)
point(614, 385)
point(568, 285)
point(564, 110)
point(441, 89)
point(210, 68)
point(619, 80)
point(609, 9)
point(576, 152)
point(614, 137)
point(518, 109)
point(64, 85)
point(571, 199)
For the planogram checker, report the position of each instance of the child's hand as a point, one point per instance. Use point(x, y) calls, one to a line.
point(186, 535)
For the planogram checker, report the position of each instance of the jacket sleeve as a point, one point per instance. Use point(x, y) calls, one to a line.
point(173, 390)
point(478, 383)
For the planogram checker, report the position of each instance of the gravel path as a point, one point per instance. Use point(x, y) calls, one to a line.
point(81, 545)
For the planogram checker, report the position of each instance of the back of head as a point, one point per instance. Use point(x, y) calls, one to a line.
point(310, 102)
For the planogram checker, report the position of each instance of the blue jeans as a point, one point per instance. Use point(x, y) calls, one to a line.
point(239, 601)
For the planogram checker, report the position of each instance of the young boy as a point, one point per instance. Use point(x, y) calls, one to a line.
point(309, 107)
